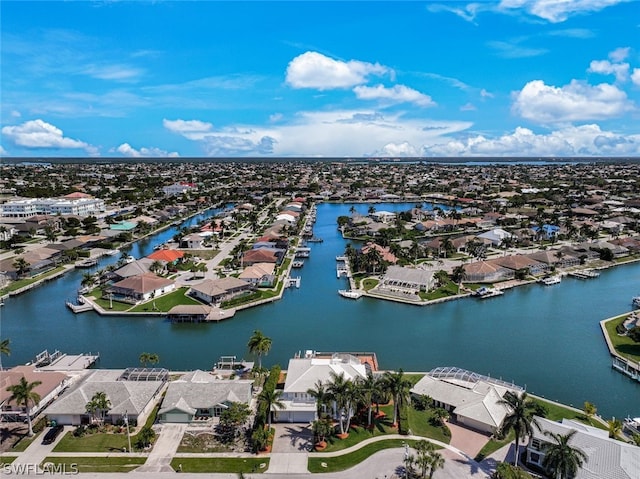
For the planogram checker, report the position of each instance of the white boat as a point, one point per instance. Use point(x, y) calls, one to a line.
point(112, 252)
point(129, 259)
point(350, 293)
point(297, 263)
point(635, 301)
point(484, 292)
point(548, 281)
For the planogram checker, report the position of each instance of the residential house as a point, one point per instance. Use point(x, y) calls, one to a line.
point(259, 274)
point(410, 280)
point(193, 241)
point(135, 268)
point(606, 458)
point(496, 236)
point(304, 372)
point(132, 392)
point(51, 385)
point(472, 400)
point(518, 262)
point(385, 252)
point(167, 256)
point(262, 255)
point(213, 291)
point(200, 395)
point(486, 272)
point(142, 287)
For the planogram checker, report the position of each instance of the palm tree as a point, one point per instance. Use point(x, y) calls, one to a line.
point(149, 358)
point(259, 344)
point(590, 410)
point(272, 399)
point(368, 387)
point(341, 390)
point(436, 462)
point(4, 349)
point(21, 265)
point(98, 406)
point(23, 393)
point(520, 418)
point(398, 386)
point(458, 275)
point(615, 426)
point(321, 395)
point(156, 267)
point(561, 459)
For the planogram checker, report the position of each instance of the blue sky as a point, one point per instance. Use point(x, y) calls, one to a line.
point(330, 78)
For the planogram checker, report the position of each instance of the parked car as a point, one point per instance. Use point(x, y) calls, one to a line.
point(52, 433)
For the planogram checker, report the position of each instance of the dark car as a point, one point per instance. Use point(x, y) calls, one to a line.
point(52, 433)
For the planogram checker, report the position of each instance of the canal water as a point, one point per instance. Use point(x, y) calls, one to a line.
point(544, 338)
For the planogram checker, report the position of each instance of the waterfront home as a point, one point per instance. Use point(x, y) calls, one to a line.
point(385, 252)
point(179, 188)
point(38, 261)
point(167, 256)
point(133, 391)
point(201, 395)
point(259, 274)
point(518, 262)
point(135, 268)
point(486, 272)
point(52, 384)
point(212, 291)
point(262, 255)
point(142, 287)
point(192, 241)
point(606, 458)
point(472, 400)
point(409, 280)
point(555, 258)
point(304, 372)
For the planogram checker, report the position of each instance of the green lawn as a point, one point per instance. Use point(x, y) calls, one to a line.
point(420, 425)
point(99, 442)
point(493, 445)
point(7, 459)
point(24, 443)
point(369, 283)
point(21, 283)
point(346, 461)
point(166, 302)
point(623, 345)
point(97, 464)
point(221, 464)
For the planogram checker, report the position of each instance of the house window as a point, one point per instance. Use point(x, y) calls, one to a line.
point(536, 444)
point(217, 411)
point(534, 458)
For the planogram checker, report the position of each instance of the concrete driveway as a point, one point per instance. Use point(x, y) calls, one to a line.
point(468, 441)
point(292, 438)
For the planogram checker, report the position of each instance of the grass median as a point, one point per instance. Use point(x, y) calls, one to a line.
point(346, 461)
point(96, 464)
point(220, 464)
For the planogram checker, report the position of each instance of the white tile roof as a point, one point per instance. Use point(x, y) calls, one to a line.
point(607, 458)
point(303, 373)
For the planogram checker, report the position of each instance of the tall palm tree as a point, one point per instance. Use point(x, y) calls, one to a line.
point(5, 348)
point(21, 265)
point(398, 386)
point(436, 462)
point(320, 393)
point(259, 344)
point(23, 393)
point(561, 459)
point(368, 387)
point(342, 392)
point(458, 275)
point(272, 399)
point(520, 418)
point(615, 426)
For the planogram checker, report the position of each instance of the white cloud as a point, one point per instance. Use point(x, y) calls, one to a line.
point(485, 94)
point(3, 152)
point(619, 54)
point(121, 73)
point(314, 70)
point(395, 94)
point(468, 107)
point(513, 50)
point(191, 129)
point(333, 133)
point(584, 140)
point(576, 101)
point(127, 150)
point(15, 114)
point(605, 67)
point(40, 134)
point(556, 11)
point(467, 12)
point(635, 76)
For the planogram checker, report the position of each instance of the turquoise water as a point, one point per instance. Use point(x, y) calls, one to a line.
point(545, 338)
